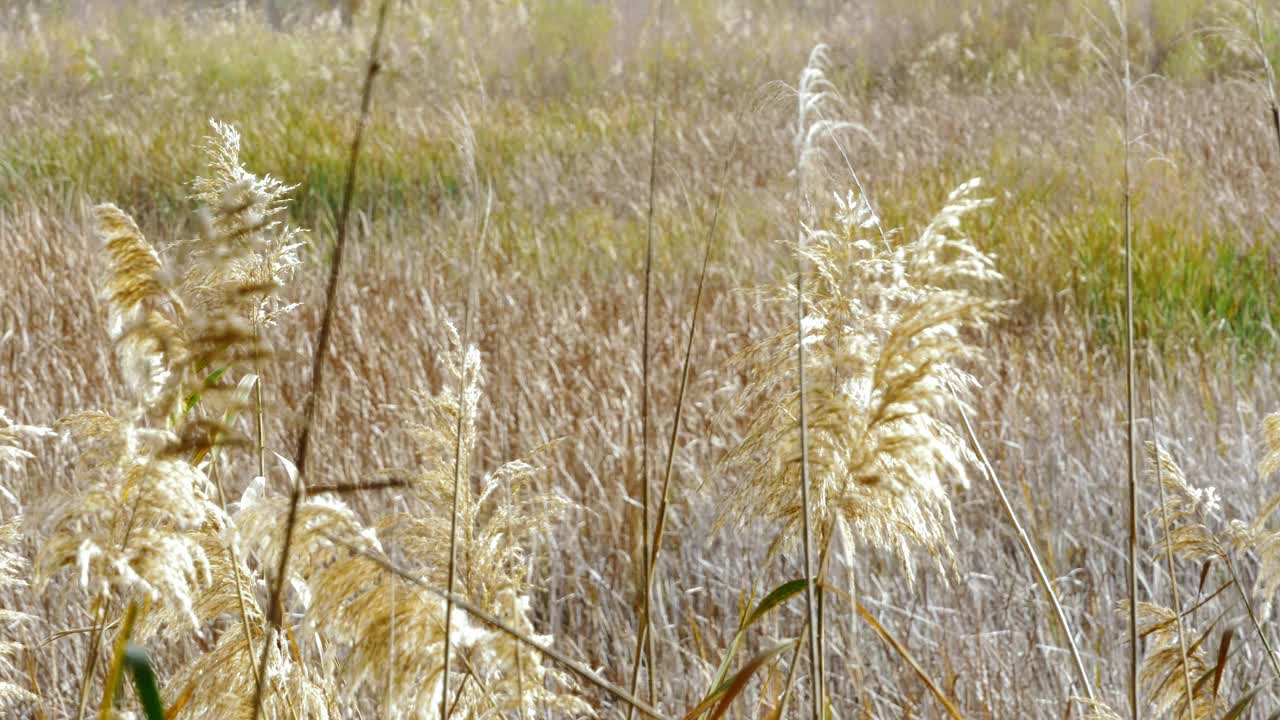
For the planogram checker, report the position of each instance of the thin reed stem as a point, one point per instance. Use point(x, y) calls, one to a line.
point(655, 547)
point(795, 654)
point(275, 610)
point(116, 670)
point(514, 613)
point(815, 686)
point(458, 479)
point(260, 416)
point(1023, 539)
point(91, 659)
point(644, 636)
point(1130, 419)
point(1253, 617)
point(233, 556)
point(906, 655)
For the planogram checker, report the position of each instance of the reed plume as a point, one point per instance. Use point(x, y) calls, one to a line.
point(1193, 534)
point(146, 524)
point(246, 251)
point(354, 601)
point(886, 330)
point(145, 336)
point(1162, 673)
point(129, 530)
point(1256, 536)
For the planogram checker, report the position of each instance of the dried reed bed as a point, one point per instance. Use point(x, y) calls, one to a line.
point(559, 346)
point(1050, 418)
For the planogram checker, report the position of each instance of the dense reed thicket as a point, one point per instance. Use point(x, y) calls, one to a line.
point(882, 361)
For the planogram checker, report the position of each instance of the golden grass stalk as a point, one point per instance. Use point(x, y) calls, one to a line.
point(906, 656)
point(806, 507)
point(1119, 11)
point(116, 670)
point(1032, 556)
point(275, 607)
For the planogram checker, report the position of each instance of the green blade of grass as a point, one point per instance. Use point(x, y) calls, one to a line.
point(144, 681)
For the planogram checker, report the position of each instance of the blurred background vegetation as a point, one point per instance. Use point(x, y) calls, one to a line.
point(105, 96)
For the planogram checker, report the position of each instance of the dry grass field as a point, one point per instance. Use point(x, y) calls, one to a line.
point(637, 316)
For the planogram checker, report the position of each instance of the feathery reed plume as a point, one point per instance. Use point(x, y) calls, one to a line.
point(353, 597)
point(1164, 671)
point(275, 608)
point(136, 291)
point(1191, 536)
point(140, 526)
point(222, 682)
point(886, 334)
point(886, 329)
point(129, 530)
point(246, 251)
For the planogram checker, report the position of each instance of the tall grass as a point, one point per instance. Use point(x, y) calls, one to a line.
point(827, 423)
